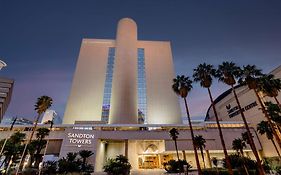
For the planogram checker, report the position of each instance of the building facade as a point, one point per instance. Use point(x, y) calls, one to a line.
point(123, 81)
point(147, 146)
point(6, 89)
point(121, 102)
point(227, 110)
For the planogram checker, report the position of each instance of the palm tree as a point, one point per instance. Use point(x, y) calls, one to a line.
point(200, 144)
point(41, 143)
point(182, 86)
point(204, 74)
point(266, 84)
point(274, 112)
point(270, 86)
point(264, 128)
point(31, 148)
point(12, 148)
point(42, 104)
point(215, 162)
point(51, 122)
point(238, 145)
point(227, 72)
point(4, 144)
point(174, 135)
point(85, 154)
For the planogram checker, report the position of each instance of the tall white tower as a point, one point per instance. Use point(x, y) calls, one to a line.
point(124, 99)
point(120, 80)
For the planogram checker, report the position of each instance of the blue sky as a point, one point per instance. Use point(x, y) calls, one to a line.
point(40, 40)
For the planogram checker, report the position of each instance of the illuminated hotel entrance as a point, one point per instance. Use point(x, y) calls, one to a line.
point(152, 158)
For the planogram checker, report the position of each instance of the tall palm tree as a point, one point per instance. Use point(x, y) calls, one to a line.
point(266, 84)
point(51, 122)
point(204, 74)
point(200, 144)
point(182, 86)
point(41, 143)
point(174, 135)
point(270, 86)
point(41, 105)
point(228, 72)
point(264, 128)
point(238, 145)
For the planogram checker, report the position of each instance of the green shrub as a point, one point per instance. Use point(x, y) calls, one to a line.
point(118, 166)
point(237, 161)
point(213, 171)
point(174, 166)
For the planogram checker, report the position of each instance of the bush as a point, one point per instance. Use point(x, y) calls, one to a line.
point(213, 171)
point(237, 161)
point(29, 171)
point(49, 168)
point(174, 166)
point(118, 166)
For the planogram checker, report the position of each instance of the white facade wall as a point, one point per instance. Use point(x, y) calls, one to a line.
point(86, 96)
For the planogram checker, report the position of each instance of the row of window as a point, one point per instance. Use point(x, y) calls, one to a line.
point(142, 105)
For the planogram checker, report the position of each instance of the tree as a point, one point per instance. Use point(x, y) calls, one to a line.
point(85, 154)
point(31, 148)
point(182, 86)
point(200, 144)
point(13, 148)
point(174, 135)
point(49, 168)
point(41, 105)
point(215, 162)
point(228, 72)
point(266, 85)
point(270, 86)
point(40, 144)
point(238, 145)
point(204, 74)
point(70, 164)
point(264, 128)
point(118, 165)
point(274, 112)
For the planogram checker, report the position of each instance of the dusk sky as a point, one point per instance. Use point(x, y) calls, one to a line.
point(40, 40)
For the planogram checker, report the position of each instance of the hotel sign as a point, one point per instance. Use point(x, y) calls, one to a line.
point(80, 139)
point(233, 111)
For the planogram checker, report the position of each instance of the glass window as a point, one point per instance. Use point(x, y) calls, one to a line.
point(141, 87)
point(108, 84)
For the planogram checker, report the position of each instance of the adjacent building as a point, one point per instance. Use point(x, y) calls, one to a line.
point(6, 89)
point(227, 110)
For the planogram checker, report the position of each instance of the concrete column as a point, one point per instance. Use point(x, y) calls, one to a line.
point(183, 155)
point(126, 148)
point(209, 162)
point(124, 99)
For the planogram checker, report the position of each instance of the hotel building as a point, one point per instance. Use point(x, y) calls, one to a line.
point(121, 102)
